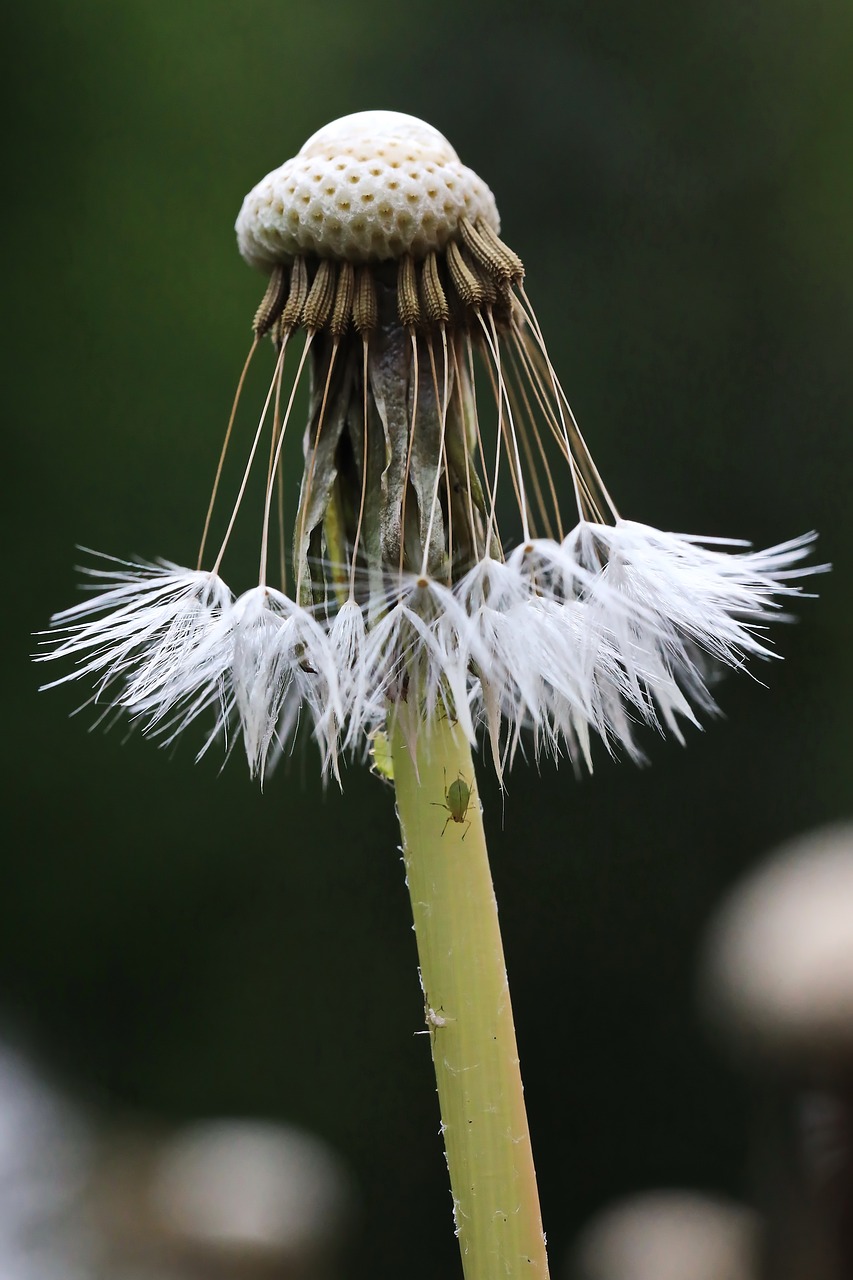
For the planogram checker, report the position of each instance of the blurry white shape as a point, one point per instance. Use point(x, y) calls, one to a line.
point(44, 1164)
point(779, 960)
point(669, 1235)
point(250, 1187)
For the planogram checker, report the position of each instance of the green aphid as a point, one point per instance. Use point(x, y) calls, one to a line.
point(457, 801)
point(381, 764)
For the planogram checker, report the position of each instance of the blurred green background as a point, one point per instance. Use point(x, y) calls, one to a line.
point(677, 178)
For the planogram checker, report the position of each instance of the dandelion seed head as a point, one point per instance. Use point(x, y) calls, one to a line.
point(366, 188)
point(456, 553)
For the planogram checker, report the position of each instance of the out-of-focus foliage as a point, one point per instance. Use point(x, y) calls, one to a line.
point(677, 179)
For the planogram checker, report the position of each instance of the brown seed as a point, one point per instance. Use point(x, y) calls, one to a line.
point(272, 301)
point(365, 310)
point(318, 304)
point(342, 310)
point(488, 248)
point(408, 302)
point(434, 297)
point(465, 282)
point(291, 316)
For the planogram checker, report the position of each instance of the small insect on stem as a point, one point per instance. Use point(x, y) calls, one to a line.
point(434, 1020)
point(381, 764)
point(457, 801)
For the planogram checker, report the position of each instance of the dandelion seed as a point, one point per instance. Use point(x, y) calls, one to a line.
point(438, 569)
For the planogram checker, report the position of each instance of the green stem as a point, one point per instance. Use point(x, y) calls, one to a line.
point(468, 1010)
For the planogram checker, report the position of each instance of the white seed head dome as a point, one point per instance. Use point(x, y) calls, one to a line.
point(669, 1235)
point(778, 978)
point(367, 188)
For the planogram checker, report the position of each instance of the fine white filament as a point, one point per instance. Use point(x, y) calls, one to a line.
point(613, 627)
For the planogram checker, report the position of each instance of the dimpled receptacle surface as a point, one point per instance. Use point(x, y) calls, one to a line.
point(367, 188)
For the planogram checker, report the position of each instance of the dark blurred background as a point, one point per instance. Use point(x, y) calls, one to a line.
point(175, 944)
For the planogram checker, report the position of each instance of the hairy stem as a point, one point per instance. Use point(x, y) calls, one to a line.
point(467, 1006)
